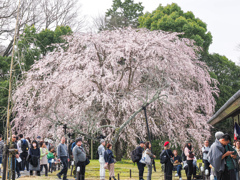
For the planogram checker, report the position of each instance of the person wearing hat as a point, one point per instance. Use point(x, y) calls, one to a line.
point(79, 156)
point(168, 165)
point(217, 157)
point(188, 151)
point(140, 165)
point(101, 151)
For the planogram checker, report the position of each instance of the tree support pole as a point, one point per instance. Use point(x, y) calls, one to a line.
point(8, 128)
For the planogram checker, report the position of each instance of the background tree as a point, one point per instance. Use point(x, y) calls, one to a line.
point(43, 14)
point(30, 48)
point(123, 14)
point(172, 18)
point(68, 85)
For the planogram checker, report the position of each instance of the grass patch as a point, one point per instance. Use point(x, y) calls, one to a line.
point(122, 168)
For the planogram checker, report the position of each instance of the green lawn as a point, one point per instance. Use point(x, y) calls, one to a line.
point(122, 168)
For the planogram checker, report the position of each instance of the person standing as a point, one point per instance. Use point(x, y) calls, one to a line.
point(101, 151)
point(70, 155)
point(51, 156)
point(34, 162)
point(108, 157)
point(14, 146)
point(205, 151)
point(23, 147)
point(177, 164)
point(79, 156)
point(188, 151)
point(238, 151)
point(232, 169)
point(139, 164)
point(148, 147)
point(43, 157)
point(62, 155)
point(1, 148)
point(168, 165)
point(217, 155)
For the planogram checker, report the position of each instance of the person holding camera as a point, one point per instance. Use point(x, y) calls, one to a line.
point(188, 151)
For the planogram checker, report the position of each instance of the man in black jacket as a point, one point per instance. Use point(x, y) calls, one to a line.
point(140, 165)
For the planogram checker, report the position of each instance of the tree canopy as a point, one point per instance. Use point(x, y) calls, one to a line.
point(123, 14)
point(102, 81)
point(30, 47)
point(172, 18)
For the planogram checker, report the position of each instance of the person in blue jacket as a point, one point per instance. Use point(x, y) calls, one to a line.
point(109, 161)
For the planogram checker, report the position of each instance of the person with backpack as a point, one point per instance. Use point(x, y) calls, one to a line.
point(79, 156)
point(43, 157)
point(34, 158)
point(166, 159)
point(100, 152)
point(23, 147)
point(205, 150)
point(109, 161)
point(188, 151)
point(136, 157)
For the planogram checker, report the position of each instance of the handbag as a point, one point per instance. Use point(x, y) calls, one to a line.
point(87, 162)
point(105, 166)
point(145, 159)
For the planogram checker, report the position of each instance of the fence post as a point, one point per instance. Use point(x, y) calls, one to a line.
point(78, 173)
point(130, 173)
point(118, 177)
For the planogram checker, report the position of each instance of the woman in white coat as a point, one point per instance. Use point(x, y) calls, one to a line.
point(101, 151)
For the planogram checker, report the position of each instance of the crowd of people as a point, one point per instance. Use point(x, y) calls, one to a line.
point(221, 160)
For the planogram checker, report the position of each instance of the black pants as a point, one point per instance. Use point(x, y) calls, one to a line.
point(206, 166)
point(224, 175)
point(18, 166)
point(38, 173)
point(65, 167)
point(24, 162)
point(82, 170)
point(140, 169)
point(168, 170)
point(231, 174)
point(45, 167)
point(190, 169)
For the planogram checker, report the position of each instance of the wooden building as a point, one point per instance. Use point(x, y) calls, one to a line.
point(231, 109)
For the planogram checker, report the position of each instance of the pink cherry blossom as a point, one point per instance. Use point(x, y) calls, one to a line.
point(98, 83)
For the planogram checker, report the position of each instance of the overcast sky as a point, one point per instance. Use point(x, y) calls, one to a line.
point(221, 16)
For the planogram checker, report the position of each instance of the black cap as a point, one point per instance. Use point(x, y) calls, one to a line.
point(78, 139)
point(142, 142)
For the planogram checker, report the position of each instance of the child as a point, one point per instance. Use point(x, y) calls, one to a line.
point(51, 157)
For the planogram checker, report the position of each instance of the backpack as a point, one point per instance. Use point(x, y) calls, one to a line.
point(97, 155)
point(163, 157)
point(134, 156)
point(24, 145)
